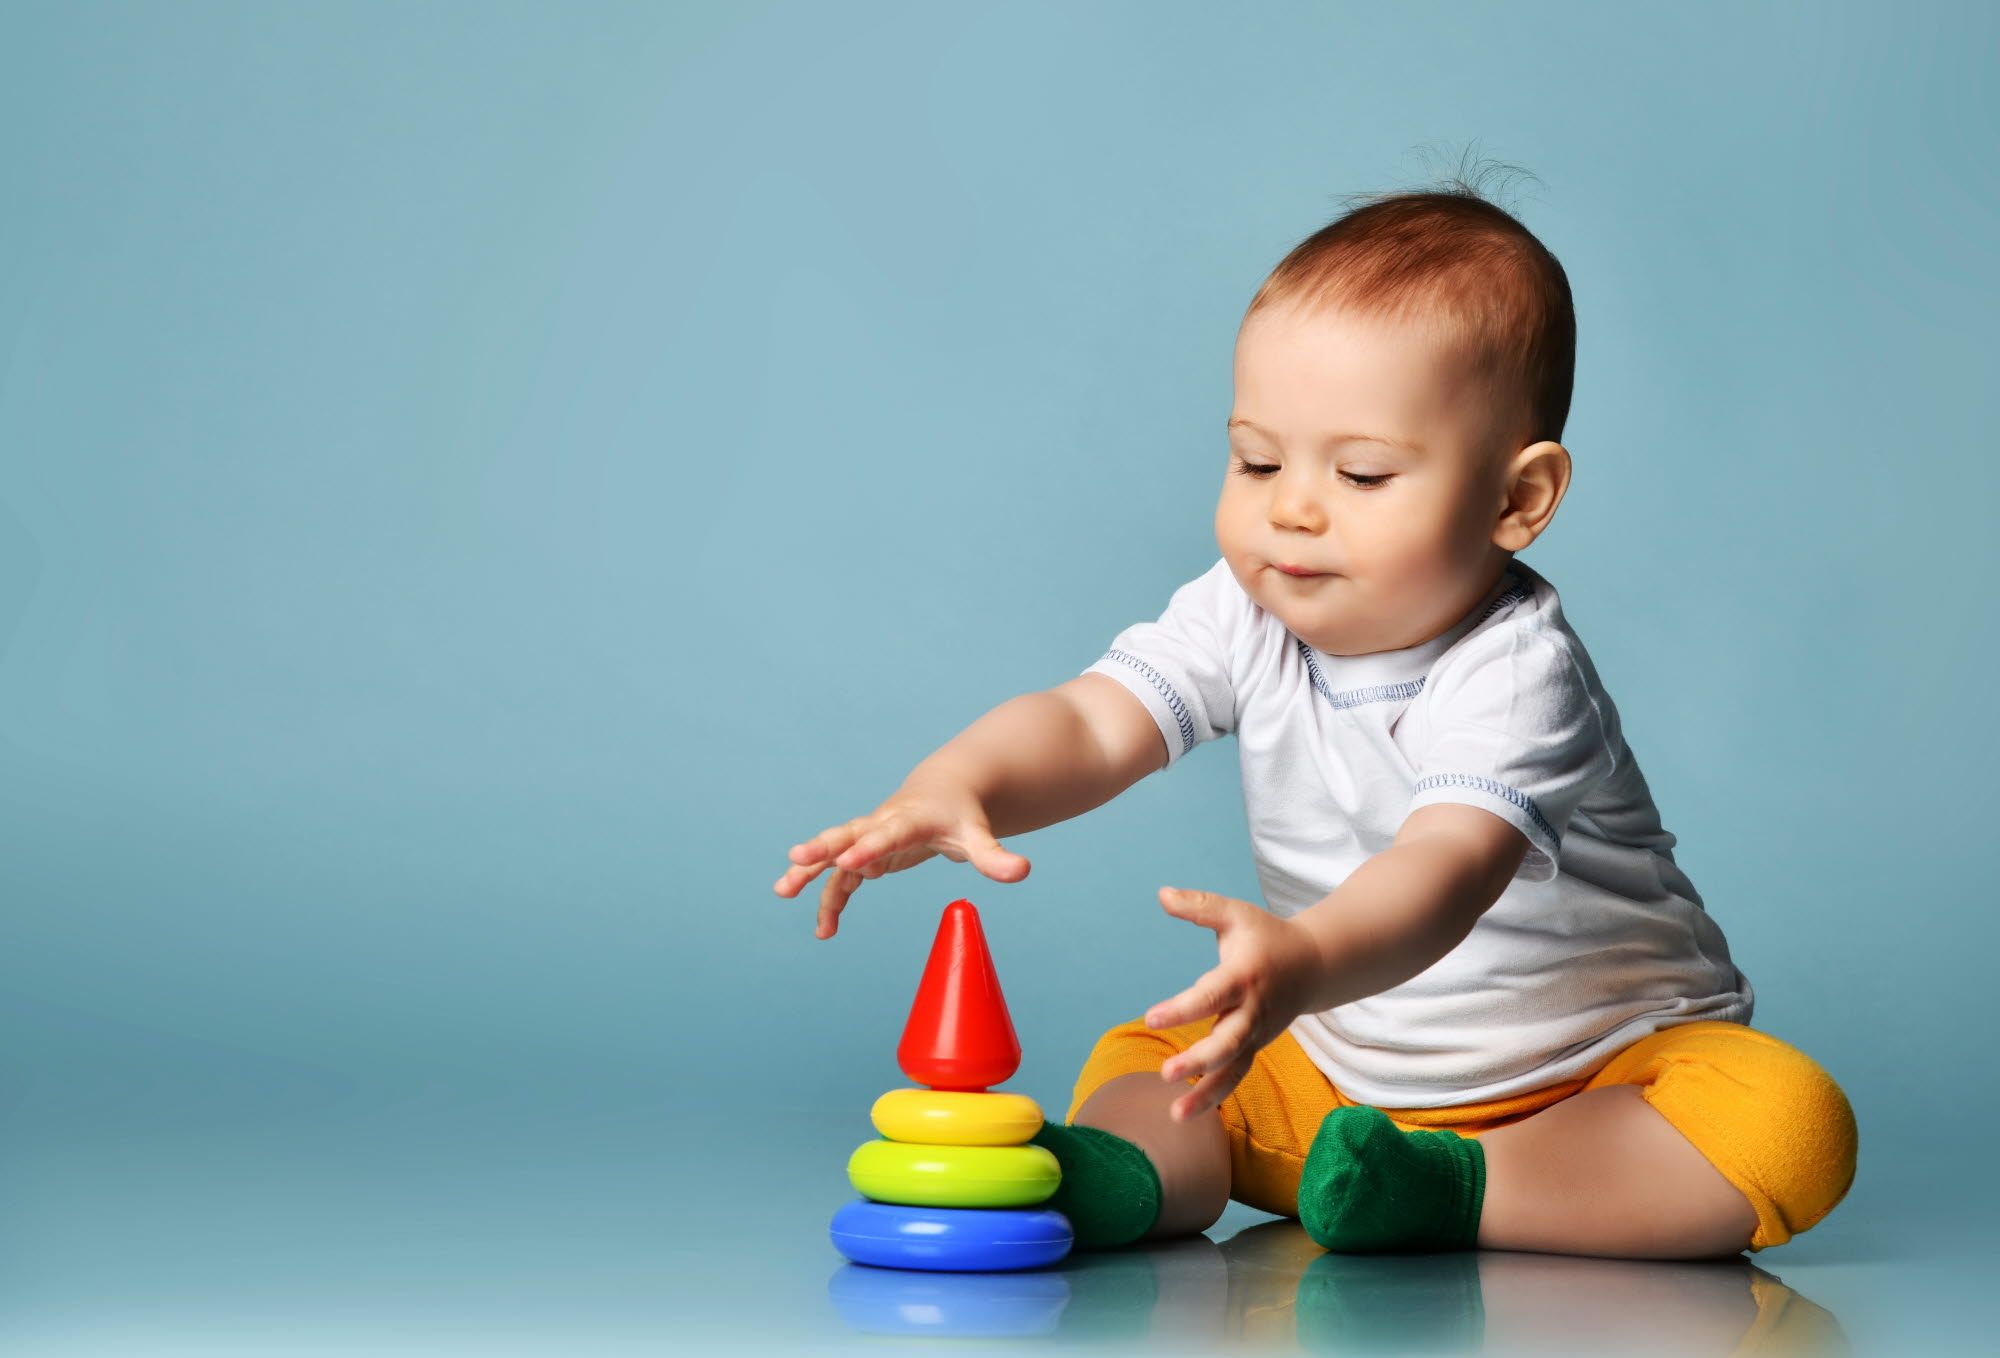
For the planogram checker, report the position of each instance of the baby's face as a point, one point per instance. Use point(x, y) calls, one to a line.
point(1386, 477)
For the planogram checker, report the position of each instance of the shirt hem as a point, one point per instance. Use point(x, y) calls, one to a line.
point(1394, 1098)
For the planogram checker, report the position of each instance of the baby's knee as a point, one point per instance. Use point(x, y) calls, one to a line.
point(1823, 1143)
point(1131, 1048)
point(1772, 1120)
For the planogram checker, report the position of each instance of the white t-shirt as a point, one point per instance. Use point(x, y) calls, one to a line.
point(1600, 938)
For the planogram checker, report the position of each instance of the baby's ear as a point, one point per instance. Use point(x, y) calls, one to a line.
point(1536, 480)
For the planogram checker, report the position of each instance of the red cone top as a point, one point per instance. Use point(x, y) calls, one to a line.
point(959, 1035)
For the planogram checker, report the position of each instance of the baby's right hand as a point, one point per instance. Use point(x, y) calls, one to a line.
point(920, 820)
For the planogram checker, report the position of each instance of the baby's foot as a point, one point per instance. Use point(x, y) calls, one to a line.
point(1370, 1187)
point(1110, 1191)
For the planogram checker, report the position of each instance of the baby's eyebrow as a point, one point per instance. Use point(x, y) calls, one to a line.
point(1331, 439)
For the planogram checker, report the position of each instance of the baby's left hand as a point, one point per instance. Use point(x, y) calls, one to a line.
point(1270, 969)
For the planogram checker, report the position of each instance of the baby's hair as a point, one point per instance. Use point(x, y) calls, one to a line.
point(1451, 255)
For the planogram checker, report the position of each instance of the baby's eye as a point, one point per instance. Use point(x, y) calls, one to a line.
point(1255, 468)
point(1366, 480)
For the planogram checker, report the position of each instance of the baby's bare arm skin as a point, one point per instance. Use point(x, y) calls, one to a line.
point(1032, 761)
point(1047, 757)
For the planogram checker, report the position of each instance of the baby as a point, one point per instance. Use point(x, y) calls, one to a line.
point(1480, 1005)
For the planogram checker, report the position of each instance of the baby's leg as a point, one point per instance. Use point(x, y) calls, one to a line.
point(1130, 1172)
point(1602, 1173)
point(1698, 1139)
point(1191, 1158)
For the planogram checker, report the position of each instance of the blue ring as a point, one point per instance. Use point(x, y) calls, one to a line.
point(954, 1239)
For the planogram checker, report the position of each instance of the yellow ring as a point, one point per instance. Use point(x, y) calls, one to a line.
point(953, 1176)
point(936, 1117)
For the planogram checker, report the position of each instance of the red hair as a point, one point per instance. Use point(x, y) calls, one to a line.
point(1450, 257)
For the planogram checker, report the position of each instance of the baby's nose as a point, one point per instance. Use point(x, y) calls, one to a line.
point(1297, 509)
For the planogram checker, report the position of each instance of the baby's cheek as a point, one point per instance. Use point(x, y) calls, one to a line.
point(1445, 546)
point(1416, 560)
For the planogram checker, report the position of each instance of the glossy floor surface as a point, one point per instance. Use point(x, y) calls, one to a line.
point(443, 1221)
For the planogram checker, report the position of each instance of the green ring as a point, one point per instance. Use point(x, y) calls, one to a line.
point(918, 1175)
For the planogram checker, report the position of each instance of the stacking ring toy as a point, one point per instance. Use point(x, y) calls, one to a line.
point(949, 1239)
point(941, 1118)
point(954, 1176)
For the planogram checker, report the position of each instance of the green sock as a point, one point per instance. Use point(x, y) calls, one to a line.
point(1110, 1191)
point(1370, 1187)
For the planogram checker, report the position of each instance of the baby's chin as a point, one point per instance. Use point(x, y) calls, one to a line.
point(1327, 631)
point(1318, 609)
point(1343, 643)
point(1303, 607)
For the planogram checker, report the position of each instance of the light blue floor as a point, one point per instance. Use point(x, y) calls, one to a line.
point(445, 1221)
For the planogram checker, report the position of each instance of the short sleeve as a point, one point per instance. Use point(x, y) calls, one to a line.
point(1519, 727)
point(1180, 665)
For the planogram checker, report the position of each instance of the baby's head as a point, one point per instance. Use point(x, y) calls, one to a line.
point(1402, 379)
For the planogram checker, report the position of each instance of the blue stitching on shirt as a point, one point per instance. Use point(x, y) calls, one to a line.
point(1159, 681)
point(1514, 795)
point(1517, 594)
point(1388, 693)
point(1355, 697)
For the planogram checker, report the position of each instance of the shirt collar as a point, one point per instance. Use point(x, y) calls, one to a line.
point(1380, 675)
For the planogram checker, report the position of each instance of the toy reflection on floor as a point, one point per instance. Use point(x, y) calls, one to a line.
point(952, 1182)
point(1019, 1305)
point(1270, 1287)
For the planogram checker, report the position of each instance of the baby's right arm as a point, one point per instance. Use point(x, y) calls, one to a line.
point(1032, 761)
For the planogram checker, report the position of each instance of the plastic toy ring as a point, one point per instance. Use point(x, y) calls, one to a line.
point(935, 1117)
point(953, 1176)
point(950, 1239)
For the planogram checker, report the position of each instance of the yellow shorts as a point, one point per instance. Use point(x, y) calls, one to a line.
point(1763, 1112)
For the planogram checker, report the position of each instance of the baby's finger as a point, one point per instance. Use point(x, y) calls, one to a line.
point(1213, 1052)
point(879, 866)
point(826, 843)
point(795, 878)
point(1001, 864)
point(885, 836)
point(1210, 1090)
point(1205, 908)
point(1213, 992)
point(833, 898)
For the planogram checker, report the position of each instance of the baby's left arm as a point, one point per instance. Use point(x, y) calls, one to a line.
point(1392, 918)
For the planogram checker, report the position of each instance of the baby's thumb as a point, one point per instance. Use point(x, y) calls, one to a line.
point(1197, 907)
point(1002, 865)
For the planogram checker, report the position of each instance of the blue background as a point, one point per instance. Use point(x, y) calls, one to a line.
point(478, 482)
